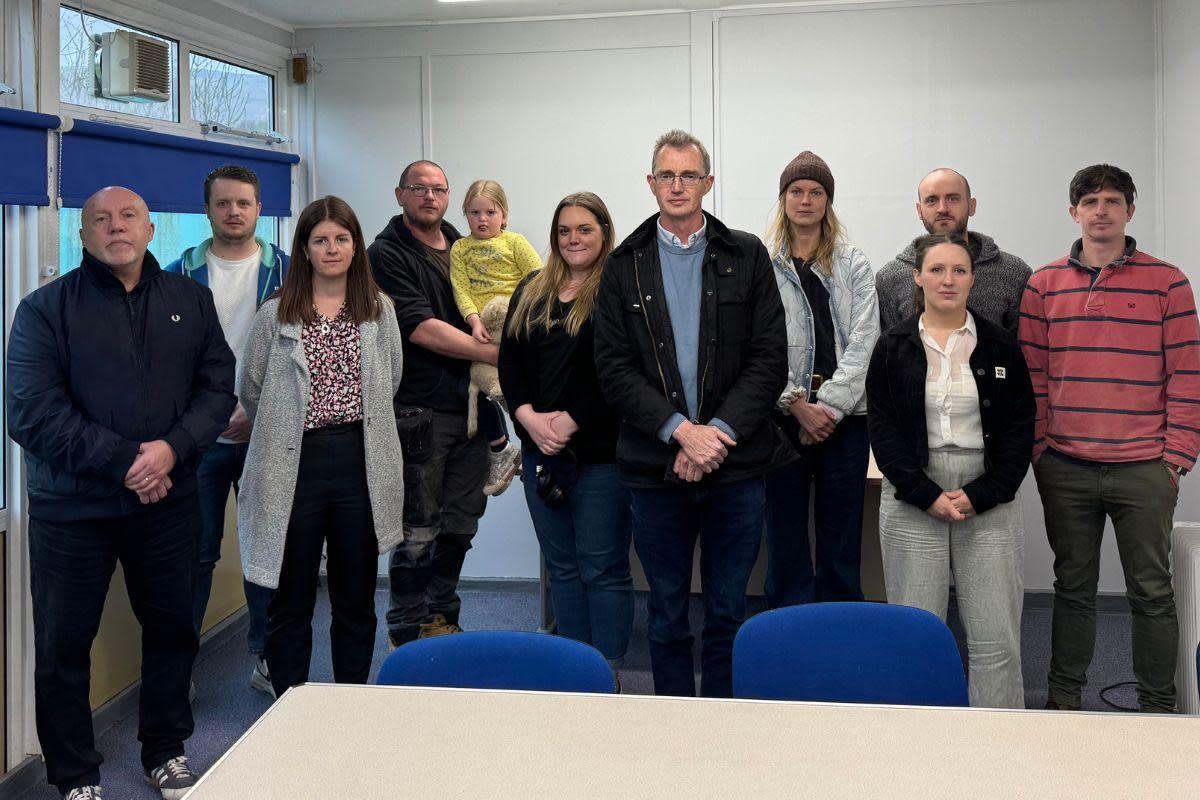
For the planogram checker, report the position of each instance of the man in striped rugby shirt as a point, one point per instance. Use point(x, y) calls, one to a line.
point(1111, 338)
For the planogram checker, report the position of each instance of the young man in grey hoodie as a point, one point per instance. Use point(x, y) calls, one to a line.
point(944, 205)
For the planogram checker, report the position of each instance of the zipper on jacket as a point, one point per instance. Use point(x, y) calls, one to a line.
point(637, 279)
point(138, 355)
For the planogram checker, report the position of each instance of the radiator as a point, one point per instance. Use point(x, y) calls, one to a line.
point(1185, 566)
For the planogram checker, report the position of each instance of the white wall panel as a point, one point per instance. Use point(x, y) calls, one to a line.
point(1017, 96)
point(547, 124)
point(368, 128)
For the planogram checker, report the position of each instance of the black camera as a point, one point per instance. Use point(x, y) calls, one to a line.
point(556, 477)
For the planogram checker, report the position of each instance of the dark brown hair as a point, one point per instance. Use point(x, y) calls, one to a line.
point(921, 247)
point(296, 293)
point(1102, 176)
point(232, 172)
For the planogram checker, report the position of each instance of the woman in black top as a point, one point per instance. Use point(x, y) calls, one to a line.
point(579, 508)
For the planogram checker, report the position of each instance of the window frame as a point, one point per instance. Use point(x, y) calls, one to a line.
point(93, 112)
point(205, 53)
point(188, 38)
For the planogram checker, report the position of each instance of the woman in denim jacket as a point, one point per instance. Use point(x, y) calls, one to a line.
point(828, 292)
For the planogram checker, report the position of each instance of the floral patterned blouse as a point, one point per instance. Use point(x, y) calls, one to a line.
point(332, 350)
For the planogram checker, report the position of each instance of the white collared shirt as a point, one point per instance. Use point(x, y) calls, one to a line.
point(951, 396)
point(671, 239)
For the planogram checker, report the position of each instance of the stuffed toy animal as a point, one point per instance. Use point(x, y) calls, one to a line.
point(484, 377)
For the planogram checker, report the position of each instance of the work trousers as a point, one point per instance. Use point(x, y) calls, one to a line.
point(1140, 499)
point(443, 501)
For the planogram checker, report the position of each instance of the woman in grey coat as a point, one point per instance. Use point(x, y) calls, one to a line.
point(324, 466)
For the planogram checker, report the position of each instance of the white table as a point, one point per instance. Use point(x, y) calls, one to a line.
point(364, 742)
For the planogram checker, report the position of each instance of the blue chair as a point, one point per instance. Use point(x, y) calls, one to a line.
point(849, 653)
point(499, 660)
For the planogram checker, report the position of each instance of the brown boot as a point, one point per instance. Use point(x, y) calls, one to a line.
point(437, 627)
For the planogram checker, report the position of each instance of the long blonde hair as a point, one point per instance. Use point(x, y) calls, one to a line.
point(833, 235)
point(538, 297)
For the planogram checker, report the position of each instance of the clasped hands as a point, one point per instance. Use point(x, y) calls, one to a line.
point(551, 430)
point(702, 448)
point(951, 507)
point(149, 475)
point(816, 422)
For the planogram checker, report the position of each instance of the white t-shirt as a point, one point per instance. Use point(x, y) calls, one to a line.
point(234, 285)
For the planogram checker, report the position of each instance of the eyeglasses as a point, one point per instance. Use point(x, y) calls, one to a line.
point(421, 191)
point(669, 178)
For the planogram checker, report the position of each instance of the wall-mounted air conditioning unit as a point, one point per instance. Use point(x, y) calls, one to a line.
point(132, 67)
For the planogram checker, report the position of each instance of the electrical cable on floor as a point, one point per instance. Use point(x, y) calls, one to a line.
point(1104, 696)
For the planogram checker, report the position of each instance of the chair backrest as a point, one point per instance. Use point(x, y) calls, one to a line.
point(849, 653)
point(499, 660)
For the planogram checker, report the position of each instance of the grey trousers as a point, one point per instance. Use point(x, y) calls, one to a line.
point(985, 553)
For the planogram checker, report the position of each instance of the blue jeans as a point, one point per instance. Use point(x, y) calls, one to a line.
point(838, 468)
point(586, 546)
point(219, 471)
point(728, 520)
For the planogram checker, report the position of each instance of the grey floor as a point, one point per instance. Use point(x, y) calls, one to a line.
point(226, 706)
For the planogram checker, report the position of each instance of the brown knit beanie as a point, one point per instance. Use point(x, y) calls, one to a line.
point(808, 165)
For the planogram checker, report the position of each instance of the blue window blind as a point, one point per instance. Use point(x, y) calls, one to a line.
point(23, 144)
point(167, 171)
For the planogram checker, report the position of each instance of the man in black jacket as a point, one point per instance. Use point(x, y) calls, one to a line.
point(444, 469)
point(691, 350)
point(118, 378)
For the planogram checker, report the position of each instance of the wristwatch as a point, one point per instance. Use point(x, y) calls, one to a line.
point(1178, 470)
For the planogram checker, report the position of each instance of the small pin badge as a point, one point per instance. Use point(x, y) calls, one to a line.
point(1001, 372)
point(174, 318)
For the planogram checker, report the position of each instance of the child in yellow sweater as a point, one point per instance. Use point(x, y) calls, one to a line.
point(486, 267)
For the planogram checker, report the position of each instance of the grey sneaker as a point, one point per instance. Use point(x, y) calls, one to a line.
point(502, 466)
point(84, 793)
point(172, 778)
point(260, 678)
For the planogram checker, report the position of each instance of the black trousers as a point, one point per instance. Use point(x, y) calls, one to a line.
point(71, 566)
point(331, 507)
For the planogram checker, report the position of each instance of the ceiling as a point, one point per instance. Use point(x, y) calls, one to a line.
point(322, 13)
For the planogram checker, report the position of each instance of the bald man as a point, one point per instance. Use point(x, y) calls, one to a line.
point(118, 378)
point(945, 205)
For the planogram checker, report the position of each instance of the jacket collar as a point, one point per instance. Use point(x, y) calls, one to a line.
point(103, 277)
point(717, 233)
point(195, 258)
point(1077, 251)
point(397, 231)
point(985, 330)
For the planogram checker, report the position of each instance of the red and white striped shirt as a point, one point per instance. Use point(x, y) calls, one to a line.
point(1115, 362)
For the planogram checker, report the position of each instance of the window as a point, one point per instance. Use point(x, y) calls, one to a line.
point(77, 74)
point(173, 233)
point(231, 95)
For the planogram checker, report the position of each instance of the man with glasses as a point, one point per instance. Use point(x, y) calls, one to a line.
point(444, 469)
point(692, 353)
point(242, 271)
